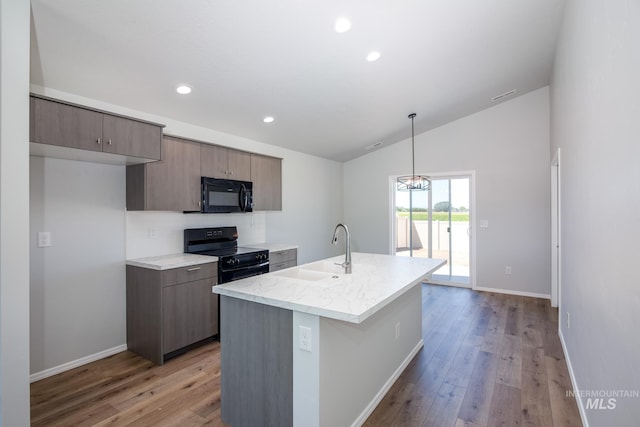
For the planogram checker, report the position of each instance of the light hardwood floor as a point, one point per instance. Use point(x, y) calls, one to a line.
point(488, 360)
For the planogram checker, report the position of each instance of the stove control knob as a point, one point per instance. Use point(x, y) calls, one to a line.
point(237, 261)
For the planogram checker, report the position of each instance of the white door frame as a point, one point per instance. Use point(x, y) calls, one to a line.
point(471, 174)
point(556, 225)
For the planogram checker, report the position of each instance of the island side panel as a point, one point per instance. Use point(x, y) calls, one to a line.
point(256, 366)
point(360, 362)
point(306, 372)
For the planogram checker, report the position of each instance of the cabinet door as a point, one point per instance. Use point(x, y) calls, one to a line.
point(239, 165)
point(266, 174)
point(189, 314)
point(59, 124)
point(131, 137)
point(173, 183)
point(213, 161)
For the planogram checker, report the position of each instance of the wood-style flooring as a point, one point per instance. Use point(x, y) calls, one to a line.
point(488, 360)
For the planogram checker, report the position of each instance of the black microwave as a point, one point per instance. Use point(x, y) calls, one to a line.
point(226, 196)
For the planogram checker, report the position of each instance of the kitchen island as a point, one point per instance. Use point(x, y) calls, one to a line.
point(312, 346)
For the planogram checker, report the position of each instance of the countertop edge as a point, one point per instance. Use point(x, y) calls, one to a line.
point(168, 262)
point(274, 247)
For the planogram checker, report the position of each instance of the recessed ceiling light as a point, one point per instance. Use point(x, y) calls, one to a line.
point(342, 25)
point(269, 119)
point(373, 56)
point(183, 89)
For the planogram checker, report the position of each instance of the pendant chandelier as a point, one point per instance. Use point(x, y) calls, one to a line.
point(413, 182)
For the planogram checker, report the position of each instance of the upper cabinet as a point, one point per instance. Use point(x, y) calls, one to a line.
point(131, 137)
point(266, 174)
point(61, 124)
point(172, 184)
point(225, 163)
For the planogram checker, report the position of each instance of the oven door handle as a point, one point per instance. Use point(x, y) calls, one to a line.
point(250, 267)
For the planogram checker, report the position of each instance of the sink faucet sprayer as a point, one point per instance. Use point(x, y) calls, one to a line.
point(347, 256)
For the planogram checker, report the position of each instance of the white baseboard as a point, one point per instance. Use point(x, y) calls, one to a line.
point(512, 292)
point(574, 383)
point(75, 363)
point(387, 386)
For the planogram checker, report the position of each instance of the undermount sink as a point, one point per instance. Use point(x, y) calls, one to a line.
point(325, 267)
point(303, 274)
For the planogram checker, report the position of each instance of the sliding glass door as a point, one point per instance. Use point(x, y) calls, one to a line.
point(440, 226)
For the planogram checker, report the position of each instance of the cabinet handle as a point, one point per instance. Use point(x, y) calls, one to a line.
point(99, 140)
point(109, 142)
point(193, 269)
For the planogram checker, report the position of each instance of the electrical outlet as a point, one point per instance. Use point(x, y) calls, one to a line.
point(568, 321)
point(44, 239)
point(305, 338)
point(397, 330)
point(507, 270)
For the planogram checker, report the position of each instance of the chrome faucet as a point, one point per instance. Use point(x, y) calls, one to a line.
point(347, 256)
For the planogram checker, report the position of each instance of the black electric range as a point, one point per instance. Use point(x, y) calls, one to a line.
point(234, 262)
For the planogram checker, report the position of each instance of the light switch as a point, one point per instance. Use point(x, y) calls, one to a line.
point(484, 223)
point(44, 239)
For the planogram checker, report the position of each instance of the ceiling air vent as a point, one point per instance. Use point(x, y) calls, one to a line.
point(375, 145)
point(503, 95)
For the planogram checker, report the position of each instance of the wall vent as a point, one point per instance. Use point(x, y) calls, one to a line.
point(503, 95)
point(375, 145)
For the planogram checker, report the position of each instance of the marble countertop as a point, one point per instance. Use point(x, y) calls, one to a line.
point(274, 247)
point(166, 262)
point(376, 281)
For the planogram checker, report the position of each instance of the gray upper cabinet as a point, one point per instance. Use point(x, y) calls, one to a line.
point(67, 125)
point(225, 163)
point(266, 174)
point(131, 137)
point(172, 184)
point(55, 123)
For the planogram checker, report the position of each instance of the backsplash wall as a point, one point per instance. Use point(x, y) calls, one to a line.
point(161, 233)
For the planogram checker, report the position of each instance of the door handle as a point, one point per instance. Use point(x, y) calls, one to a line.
point(448, 229)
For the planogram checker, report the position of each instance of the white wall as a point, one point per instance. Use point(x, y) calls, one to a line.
point(61, 291)
point(161, 232)
point(596, 123)
point(508, 147)
point(77, 284)
point(14, 205)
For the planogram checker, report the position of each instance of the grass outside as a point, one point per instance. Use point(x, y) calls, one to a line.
point(437, 216)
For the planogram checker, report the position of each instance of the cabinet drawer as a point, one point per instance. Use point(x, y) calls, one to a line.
point(189, 274)
point(277, 257)
point(281, 265)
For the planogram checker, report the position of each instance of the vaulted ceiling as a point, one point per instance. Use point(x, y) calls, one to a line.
point(246, 60)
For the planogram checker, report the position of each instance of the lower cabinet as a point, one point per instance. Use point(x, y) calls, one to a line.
point(279, 260)
point(170, 309)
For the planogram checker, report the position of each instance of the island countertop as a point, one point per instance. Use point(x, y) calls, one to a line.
point(376, 281)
